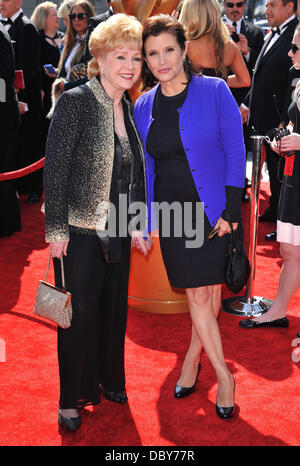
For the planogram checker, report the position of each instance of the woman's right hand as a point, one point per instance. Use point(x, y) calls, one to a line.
point(59, 249)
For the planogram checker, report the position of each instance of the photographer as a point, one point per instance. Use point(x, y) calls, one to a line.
point(250, 39)
point(288, 218)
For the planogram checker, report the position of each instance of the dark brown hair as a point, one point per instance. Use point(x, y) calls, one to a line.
point(154, 26)
point(71, 34)
point(295, 4)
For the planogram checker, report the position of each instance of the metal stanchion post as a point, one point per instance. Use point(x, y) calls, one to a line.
point(250, 305)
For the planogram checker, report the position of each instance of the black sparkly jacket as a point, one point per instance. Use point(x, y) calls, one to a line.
point(79, 161)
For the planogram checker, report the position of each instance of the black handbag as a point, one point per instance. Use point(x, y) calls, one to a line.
point(237, 266)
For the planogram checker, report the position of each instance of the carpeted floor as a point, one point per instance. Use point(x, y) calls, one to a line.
point(267, 378)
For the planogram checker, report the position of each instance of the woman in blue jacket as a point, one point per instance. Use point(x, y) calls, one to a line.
point(195, 167)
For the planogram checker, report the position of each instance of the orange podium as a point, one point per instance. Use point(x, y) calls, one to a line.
point(149, 288)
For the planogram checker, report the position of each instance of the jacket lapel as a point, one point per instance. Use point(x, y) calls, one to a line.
point(261, 55)
point(284, 36)
point(244, 27)
point(15, 25)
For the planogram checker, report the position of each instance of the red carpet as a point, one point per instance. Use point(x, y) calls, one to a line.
point(267, 379)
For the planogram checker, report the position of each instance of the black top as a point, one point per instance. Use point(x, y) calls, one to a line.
point(288, 208)
point(50, 54)
point(166, 122)
point(212, 72)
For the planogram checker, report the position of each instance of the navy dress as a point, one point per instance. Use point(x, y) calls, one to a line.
point(186, 267)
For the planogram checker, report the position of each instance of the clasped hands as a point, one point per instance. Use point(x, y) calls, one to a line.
point(139, 242)
point(59, 248)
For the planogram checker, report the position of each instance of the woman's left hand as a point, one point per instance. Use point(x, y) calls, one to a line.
point(290, 142)
point(224, 227)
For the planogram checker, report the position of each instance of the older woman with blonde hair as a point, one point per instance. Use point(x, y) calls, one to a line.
point(46, 20)
point(93, 156)
point(211, 49)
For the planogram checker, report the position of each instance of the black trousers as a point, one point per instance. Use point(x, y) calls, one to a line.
point(32, 149)
point(10, 218)
point(91, 351)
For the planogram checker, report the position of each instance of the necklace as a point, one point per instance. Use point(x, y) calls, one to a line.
point(53, 39)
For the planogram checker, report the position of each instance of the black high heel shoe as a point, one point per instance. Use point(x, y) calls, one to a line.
point(183, 392)
point(68, 423)
point(226, 412)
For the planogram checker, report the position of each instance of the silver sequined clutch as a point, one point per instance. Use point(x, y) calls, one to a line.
point(52, 303)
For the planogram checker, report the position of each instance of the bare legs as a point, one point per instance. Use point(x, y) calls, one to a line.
point(192, 358)
point(204, 304)
point(289, 283)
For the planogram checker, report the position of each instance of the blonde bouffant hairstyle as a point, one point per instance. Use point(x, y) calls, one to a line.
point(201, 17)
point(118, 30)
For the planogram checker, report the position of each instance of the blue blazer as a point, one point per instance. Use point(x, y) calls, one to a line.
point(211, 132)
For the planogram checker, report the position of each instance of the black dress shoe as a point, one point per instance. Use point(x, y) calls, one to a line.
point(248, 183)
point(267, 216)
point(278, 323)
point(68, 423)
point(6, 233)
point(183, 392)
point(271, 236)
point(226, 412)
point(117, 397)
point(245, 197)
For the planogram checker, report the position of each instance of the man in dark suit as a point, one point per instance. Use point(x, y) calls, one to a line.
point(250, 39)
point(9, 132)
point(94, 21)
point(271, 77)
point(27, 58)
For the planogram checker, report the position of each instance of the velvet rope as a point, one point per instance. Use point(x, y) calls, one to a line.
point(23, 171)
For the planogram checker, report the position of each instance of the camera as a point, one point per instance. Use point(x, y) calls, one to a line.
point(235, 37)
point(278, 134)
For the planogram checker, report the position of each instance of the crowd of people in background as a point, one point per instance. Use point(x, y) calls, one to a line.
point(75, 102)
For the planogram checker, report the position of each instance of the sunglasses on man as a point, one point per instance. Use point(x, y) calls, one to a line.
point(232, 5)
point(79, 16)
point(294, 48)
